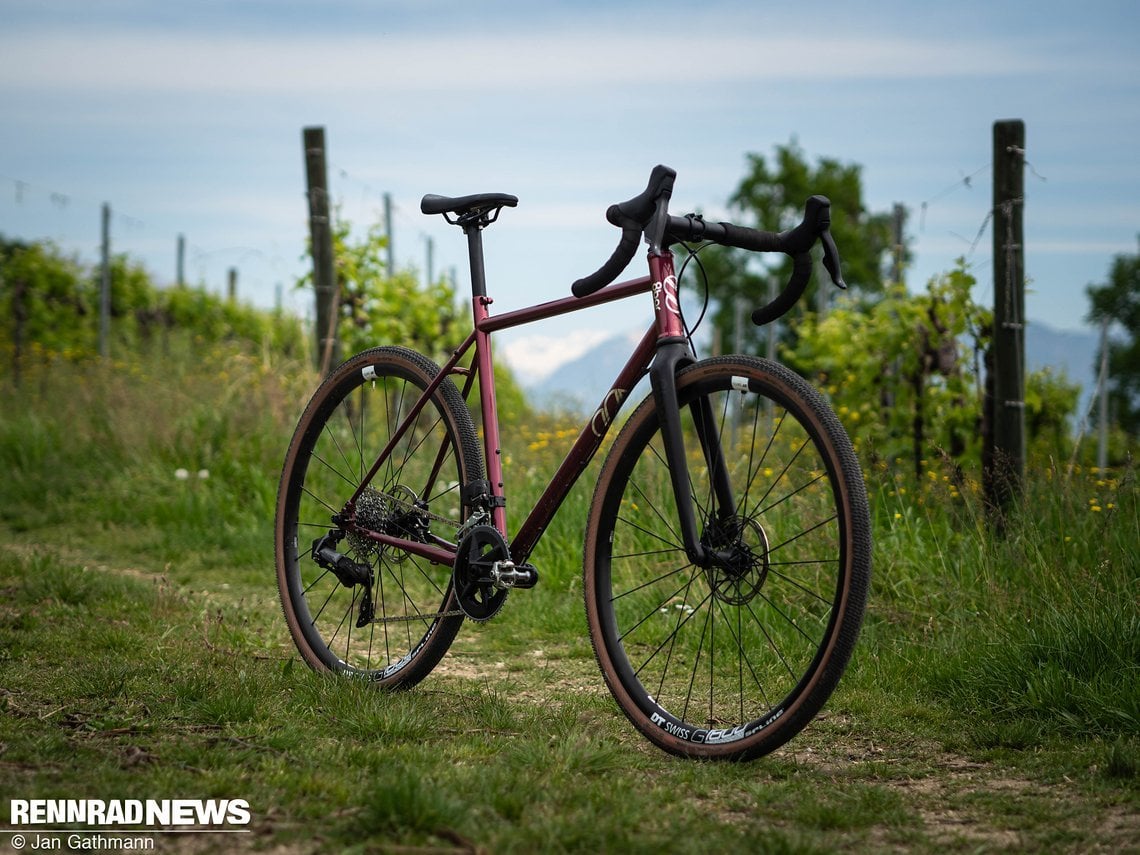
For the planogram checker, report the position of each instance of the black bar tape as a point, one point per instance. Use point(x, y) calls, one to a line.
point(622, 256)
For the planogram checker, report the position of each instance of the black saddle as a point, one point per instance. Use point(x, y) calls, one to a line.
point(466, 209)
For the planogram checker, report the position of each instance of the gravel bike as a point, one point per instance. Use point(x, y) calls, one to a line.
point(727, 549)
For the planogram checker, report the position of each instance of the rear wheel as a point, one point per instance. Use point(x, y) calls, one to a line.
point(391, 615)
point(733, 659)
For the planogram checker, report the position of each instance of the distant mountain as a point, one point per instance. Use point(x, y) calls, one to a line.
point(579, 384)
point(1070, 352)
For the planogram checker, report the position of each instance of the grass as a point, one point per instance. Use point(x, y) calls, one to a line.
point(991, 703)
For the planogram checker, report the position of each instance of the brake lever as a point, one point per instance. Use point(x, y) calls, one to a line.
point(831, 259)
point(819, 209)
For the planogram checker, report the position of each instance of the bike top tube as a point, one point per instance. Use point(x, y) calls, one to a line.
point(565, 305)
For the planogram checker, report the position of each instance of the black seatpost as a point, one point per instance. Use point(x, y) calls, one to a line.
point(474, 232)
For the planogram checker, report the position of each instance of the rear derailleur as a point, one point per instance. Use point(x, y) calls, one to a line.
point(349, 572)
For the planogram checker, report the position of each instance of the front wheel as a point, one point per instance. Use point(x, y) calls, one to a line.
point(730, 660)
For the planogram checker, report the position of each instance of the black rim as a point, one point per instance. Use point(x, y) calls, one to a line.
point(411, 596)
point(718, 655)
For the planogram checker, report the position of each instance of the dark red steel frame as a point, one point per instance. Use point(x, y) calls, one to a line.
point(667, 327)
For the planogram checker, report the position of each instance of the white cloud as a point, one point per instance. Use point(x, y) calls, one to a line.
point(141, 61)
point(536, 357)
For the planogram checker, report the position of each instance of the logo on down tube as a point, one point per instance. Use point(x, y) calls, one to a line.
point(602, 416)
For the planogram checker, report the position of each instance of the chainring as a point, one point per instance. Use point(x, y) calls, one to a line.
point(475, 593)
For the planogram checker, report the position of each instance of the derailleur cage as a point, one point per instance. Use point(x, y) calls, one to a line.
point(350, 573)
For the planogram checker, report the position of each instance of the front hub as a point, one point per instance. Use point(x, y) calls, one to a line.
point(738, 559)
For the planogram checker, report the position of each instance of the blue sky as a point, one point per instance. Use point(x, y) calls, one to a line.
point(186, 117)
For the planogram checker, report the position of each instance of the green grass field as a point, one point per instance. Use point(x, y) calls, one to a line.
point(993, 702)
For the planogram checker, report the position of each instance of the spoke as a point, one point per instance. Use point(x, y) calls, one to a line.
point(684, 619)
point(760, 464)
point(315, 581)
point(427, 434)
point(771, 642)
point(350, 482)
point(696, 666)
point(807, 531)
point(450, 489)
point(739, 663)
point(393, 423)
point(652, 534)
point(360, 445)
point(789, 620)
point(744, 659)
point(319, 500)
point(804, 561)
point(800, 489)
point(643, 585)
point(752, 451)
point(406, 598)
point(776, 480)
point(656, 609)
point(322, 526)
point(647, 553)
point(348, 614)
point(712, 658)
point(802, 587)
point(383, 610)
point(652, 505)
point(339, 626)
point(328, 431)
point(416, 561)
point(324, 605)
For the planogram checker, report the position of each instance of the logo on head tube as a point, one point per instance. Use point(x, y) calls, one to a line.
point(666, 291)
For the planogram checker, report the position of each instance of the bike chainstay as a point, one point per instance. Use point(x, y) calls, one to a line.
point(405, 506)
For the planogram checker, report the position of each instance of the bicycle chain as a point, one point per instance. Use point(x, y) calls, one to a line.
point(476, 519)
point(410, 618)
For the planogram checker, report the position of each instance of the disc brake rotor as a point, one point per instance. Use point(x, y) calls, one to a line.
point(739, 579)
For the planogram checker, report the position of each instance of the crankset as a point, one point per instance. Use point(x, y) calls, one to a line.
point(484, 574)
